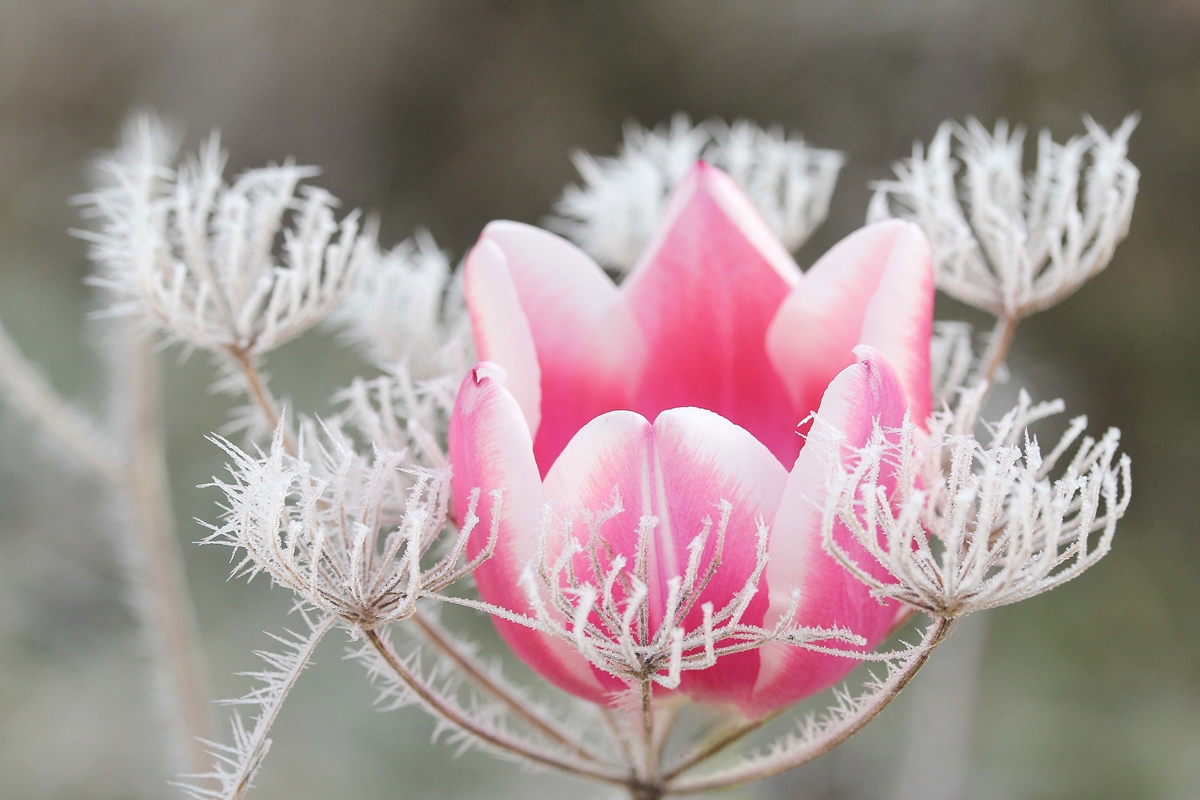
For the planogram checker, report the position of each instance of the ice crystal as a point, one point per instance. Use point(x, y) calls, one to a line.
point(970, 526)
point(1008, 242)
point(239, 267)
point(407, 305)
point(345, 532)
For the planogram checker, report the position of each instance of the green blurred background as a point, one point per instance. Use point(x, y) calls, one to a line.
point(449, 114)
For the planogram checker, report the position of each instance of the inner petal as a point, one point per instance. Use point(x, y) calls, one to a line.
point(704, 297)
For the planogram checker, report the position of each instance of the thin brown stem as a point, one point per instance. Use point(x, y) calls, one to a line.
point(837, 733)
point(998, 345)
point(519, 707)
point(173, 619)
point(260, 394)
point(30, 392)
point(715, 745)
point(496, 738)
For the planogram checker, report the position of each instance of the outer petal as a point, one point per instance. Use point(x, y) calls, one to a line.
point(491, 450)
point(829, 595)
point(589, 348)
point(704, 295)
point(502, 333)
point(677, 470)
point(875, 287)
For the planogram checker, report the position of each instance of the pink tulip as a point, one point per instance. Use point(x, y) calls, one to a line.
point(719, 339)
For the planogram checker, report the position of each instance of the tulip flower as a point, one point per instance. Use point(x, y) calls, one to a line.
point(681, 393)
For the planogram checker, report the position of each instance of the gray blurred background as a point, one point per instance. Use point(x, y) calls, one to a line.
point(449, 114)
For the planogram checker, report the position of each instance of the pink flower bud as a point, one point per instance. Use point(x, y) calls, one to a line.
point(680, 389)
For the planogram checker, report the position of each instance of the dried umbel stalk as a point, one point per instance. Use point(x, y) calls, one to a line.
point(239, 267)
point(1008, 242)
point(971, 526)
point(614, 215)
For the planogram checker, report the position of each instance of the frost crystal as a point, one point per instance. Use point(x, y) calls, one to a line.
point(615, 214)
point(345, 532)
point(240, 268)
point(968, 526)
point(406, 305)
point(1009, 243)
point(607, 619)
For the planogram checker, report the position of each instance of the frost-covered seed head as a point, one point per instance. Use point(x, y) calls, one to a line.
point(239, 267)
point(407, 305)
point(616, 212)
point(1008, 242)
point(346, 532)
point(971, 526)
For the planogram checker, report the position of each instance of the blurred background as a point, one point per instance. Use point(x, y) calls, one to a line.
point(449, 114)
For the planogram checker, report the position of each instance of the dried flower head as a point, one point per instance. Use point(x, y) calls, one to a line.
point(617, 211)
point(1007, 242)
point(606, 615)
point(972, 526)
point(345, 532)
point(239, 267)
point(406, 305)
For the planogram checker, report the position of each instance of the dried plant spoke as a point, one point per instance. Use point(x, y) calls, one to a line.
point(820, 734)
point(346, 533)
point(235, 765)
point(608, 621)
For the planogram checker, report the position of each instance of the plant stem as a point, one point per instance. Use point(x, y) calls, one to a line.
point(518, 706)
point(496, 738)
point(998, 345)
point(841, 730)
point(33, 395)
point(170, 614)
point(257, 388)
point(716, 745)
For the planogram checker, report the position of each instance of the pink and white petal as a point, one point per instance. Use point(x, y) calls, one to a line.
point(874, 287)
point(899, 318)
point(829, 595)
point(502, 334)
point(490, 450)
point(589, 348)
point(677, 471)
point(704, 295)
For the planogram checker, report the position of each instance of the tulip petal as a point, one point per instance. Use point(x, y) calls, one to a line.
point(502, 334)
point(875, 287)
point(704, 295)
point(491, 450)
point(589, 348)
point(829, 595)
point(676, 470)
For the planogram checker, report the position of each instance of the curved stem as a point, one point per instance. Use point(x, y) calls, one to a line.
point(833, 735)
point(260, 393)
point(496, 738)
point(515, 704)
point(709, 749)
point(998, 345)
point(32, 394)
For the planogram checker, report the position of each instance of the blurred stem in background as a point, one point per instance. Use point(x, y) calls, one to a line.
point(132, 460)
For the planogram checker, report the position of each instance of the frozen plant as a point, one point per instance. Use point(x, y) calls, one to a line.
point(406, 305)
point(618, 484)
